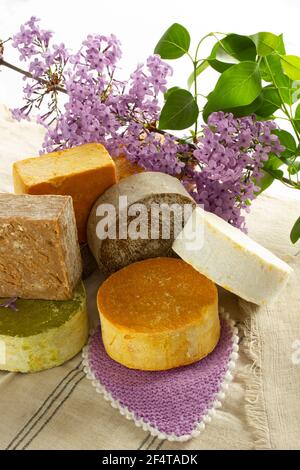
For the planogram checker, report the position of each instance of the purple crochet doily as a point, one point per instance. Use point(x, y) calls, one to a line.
point(173, 404)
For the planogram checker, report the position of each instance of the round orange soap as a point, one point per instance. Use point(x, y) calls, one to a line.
point(158, 314)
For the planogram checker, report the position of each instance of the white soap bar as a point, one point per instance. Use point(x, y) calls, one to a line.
point(230, 258)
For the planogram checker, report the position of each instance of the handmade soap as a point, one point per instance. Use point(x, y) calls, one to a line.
point(125, 168)
point(140, 196)
point(39, 250)
point(230, 258)
point(83, 172)
point(42, 333)
point(158, 314)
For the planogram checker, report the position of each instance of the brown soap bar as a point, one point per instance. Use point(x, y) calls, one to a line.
point(148, 189)
point(39, 251)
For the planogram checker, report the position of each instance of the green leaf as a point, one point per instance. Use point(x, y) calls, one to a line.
point(174, 43)
point(251, 108)
point(234, 46)
point(280, 46)
point(266, 43)
point(272, 66)
point(278, 174)
point(297, 118)
point(288, 141)
point(216, 64)
point(265, 181)
point(179, 112)
point(170, 90)
point(270, 167)
point(294, 168)
point(238, 86)
point(295, 233)
point(240, 47)
point(273, 163)
point(270, 101)
point(201, 67)
point(291, 66)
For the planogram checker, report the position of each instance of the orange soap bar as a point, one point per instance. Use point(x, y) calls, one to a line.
point(83, 172)
point(158, 314)
point(125, 168)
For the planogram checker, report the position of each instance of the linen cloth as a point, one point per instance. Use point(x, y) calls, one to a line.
point(59, 409)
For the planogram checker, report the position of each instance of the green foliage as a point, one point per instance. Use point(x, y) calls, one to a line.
point(238, 86)
point(266, 43)
point(265, 182)
point(297, 118)
point(295, 233)
point(230, 50)
point(180, 110)
point(170, 90)
point(288, 141)
point(274, 73)
point(294, 168)
point(256, 76)
point(291, 66)
point(270, 101)
point(174, 43)
point(199, 69)
point(240, 47)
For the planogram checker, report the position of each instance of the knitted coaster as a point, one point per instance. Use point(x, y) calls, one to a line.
point(174, 404)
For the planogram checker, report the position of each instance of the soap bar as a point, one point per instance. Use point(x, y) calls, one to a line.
point(125, 168)
point(122, 247)
point(39, 250)
point(42, 334)
point(83, 172)
point(230, 258)
point(158, 314)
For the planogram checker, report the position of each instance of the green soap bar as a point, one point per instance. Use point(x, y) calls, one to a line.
point(42, 333)
point(37, 316)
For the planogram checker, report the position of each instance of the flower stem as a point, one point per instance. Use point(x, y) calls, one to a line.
point(195, 64)
point(29, 75)
point(195, 92)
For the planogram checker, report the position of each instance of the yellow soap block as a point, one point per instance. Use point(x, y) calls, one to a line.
point(158, 314)
point(125, 168)
point(83, 172)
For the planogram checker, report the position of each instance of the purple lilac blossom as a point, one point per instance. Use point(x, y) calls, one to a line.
point(221, 170)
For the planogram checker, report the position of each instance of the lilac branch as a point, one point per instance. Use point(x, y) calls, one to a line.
point(29, 75)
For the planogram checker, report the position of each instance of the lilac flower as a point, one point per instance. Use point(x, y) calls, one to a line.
point(29, 38)
point(231, 155)
point(37, 68)
point(221, 170)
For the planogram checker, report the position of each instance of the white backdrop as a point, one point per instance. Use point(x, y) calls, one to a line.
point(139, 25)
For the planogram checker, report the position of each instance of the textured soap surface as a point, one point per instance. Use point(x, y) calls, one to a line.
point(42, 333)
point(148, 189)
point(230, 258)
point(83, 172)
point(158, 314)
point(39, 250)
point(125, 168)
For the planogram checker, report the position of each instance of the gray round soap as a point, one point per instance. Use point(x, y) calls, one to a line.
point(121, 247)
